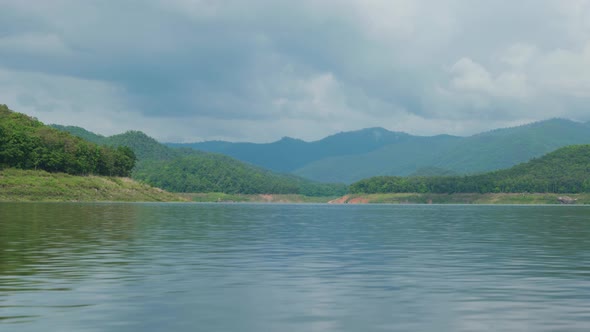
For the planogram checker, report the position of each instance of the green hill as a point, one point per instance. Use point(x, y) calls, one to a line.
point(187, 170)
point(488, 151)
point(31, 185)
point(26, 143)
point(351, 156)
point(289, 154)
point(566, 170)
point(404, 158)
point(81, 132)
point(507, 147)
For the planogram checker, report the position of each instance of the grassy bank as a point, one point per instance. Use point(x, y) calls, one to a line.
point(20, 185)
point(469, 198)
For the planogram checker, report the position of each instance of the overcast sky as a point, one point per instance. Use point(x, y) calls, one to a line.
point(258, 70)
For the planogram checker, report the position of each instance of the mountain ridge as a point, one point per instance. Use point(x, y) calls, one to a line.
point(187, 170)
point(351, 156)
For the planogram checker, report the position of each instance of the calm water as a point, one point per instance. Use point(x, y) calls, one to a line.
point(210, 267)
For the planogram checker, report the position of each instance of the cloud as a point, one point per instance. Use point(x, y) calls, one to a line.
point(469, 76)
point(260, 70)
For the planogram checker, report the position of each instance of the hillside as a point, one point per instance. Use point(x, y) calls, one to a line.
point(30, 185)
point(187, 170)
point(81, 132)
point(488, 151)
point(26, 143)
point(351, 156)
point(566, 170)
point(400, 159)
point(503, 148)
point(289, 154)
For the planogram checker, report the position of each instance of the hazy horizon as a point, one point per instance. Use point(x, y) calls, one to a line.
point(332, 134)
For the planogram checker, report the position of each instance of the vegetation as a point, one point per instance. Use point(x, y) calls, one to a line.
point(186, 170)
point(26, 143)
point(216, 173)
point(31, 185)
point(82, 133)
point(494, 150)
point(351, 156)
point(566, 170)
point(289, 154)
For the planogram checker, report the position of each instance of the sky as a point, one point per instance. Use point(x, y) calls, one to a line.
point(258, 70)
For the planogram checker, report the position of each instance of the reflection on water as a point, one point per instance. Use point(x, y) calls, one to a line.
point(187, 267)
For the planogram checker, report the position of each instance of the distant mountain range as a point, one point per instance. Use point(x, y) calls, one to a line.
point(290, 154)
point(351, 156)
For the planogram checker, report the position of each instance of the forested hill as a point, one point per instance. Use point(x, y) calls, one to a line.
point(290, 154)
point(351, 156)
point(566, 170)
point(26, 143)
point(187, 170)
point(82, 133)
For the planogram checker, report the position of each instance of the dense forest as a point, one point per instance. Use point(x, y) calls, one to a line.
point(26, 143)
point(188, 170)
point(566, 170)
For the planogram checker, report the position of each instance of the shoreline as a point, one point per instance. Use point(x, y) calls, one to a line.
point(41, 186)
point(398, 198)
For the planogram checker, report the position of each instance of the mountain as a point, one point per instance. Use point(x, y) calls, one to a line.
point(502, 148)
point(187, 170)
point(497, 149)
point(289, 154)
point(433, 171)
point(351, 156)
point(566, 170)
point(404, 158)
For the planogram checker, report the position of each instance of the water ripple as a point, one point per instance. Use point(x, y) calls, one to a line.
point(149, 267)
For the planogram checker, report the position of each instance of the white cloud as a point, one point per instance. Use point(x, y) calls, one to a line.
point(518, 55)
point(565, 72)
point(471, 77)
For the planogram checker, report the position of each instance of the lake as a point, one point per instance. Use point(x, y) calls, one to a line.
point(256, 267)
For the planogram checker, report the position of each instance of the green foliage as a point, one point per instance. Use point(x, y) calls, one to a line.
point(189, 171)
point(566, 170)
point(144, 147)
point(217, 173)
point(26, 143)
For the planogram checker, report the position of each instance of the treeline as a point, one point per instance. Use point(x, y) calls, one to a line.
point(566, 170)
point(191, 171)
point(27, 143)
point(216, 173)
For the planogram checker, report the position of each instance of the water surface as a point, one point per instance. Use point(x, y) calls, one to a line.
point(247, 267)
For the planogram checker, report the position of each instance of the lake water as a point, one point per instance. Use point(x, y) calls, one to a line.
point(248, 267)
